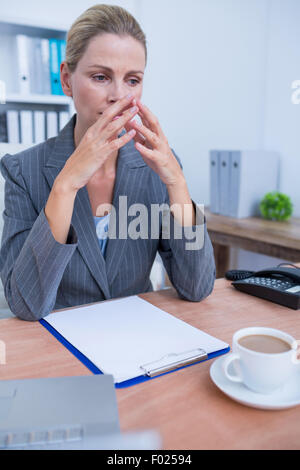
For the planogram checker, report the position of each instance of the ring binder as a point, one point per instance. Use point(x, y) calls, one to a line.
point(151, 371)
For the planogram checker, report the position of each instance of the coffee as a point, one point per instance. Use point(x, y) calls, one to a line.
point(263, 359)
point(264, 344)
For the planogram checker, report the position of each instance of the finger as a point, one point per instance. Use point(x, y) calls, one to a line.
point(152, 120)
point(145, 141)
point(116, 144)
point(127, 127)
point(150, 136)
point(117, 125)
point(143, 119)
point(146, 124)
point(114, 110)
point(146, 152)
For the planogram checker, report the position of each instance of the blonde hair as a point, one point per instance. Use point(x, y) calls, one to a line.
point(100, 19)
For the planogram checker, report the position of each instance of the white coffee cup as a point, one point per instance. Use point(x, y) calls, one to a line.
point(261, 372)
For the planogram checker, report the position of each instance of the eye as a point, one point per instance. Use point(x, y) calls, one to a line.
point(100, 77)
point(134, 81)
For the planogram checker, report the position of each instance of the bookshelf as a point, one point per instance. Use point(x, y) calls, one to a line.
point(38, 99)
point(12, 99)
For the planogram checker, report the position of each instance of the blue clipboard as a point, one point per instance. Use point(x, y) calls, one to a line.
point(127, 383)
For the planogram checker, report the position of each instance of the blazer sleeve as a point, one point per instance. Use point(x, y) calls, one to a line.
point(32, 262)
point(187, 255)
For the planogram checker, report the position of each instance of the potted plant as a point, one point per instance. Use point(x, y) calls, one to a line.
point(276, 206)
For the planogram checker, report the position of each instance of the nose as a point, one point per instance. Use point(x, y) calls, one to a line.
point(116, 91)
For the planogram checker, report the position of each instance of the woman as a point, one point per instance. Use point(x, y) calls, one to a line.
point(62, 196)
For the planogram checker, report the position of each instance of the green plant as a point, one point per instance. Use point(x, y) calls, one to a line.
point(276, 206)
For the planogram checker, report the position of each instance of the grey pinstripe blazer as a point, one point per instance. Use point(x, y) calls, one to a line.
point(39, 274)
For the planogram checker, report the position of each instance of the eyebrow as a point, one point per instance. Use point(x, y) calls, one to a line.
point(110, 70)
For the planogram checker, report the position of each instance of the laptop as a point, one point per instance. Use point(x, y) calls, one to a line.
point(61, 411)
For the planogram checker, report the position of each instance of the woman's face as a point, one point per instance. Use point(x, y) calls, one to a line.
point(111, 67)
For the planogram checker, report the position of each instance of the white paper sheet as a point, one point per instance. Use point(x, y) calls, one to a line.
point(121, 335)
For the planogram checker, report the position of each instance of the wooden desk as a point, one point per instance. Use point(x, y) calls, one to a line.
point(185, 406)
point(277, 239)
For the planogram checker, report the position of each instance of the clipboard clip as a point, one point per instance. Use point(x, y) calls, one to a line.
point(173, 361)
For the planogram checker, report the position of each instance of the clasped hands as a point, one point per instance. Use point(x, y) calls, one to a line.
point(151, 142)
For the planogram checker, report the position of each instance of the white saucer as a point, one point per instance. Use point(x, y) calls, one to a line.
point(285, 397)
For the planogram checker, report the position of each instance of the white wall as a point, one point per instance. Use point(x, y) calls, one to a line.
point(282, 118)
point(206, 77)
point(219, 76)
point(57, 13)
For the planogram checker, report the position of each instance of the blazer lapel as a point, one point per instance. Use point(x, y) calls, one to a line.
point(82, 218)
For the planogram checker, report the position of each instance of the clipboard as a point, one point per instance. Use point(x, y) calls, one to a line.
point(79, 329)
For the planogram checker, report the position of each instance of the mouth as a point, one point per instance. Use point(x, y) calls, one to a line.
point(116, 117)
point(121, 114)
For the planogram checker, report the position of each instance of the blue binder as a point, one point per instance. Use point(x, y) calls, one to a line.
point(127, 383)
point(61, 57)
point(54, 67)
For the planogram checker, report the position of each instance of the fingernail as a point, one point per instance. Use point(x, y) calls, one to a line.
point(134, 109)
point(132, 132)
